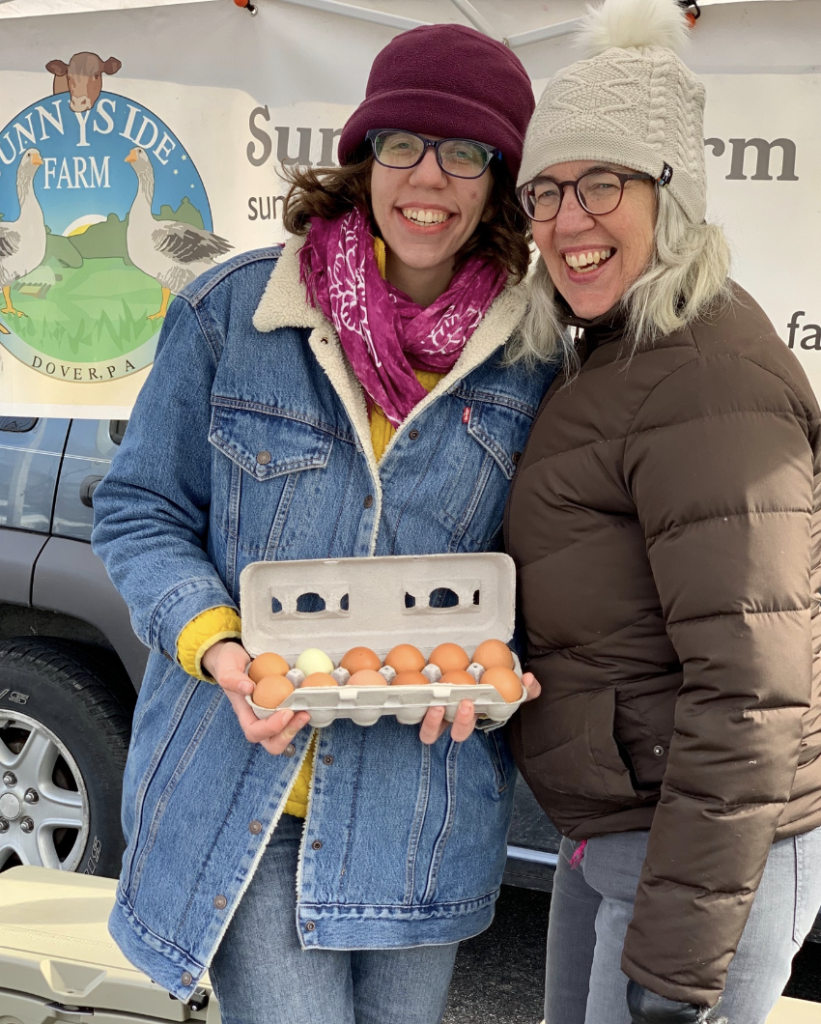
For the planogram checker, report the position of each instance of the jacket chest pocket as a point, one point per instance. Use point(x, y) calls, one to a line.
point(480, 471)
point(269, 455)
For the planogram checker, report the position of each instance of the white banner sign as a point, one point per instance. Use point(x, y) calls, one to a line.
point(96, 237)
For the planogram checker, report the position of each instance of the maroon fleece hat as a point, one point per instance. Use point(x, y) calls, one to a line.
point(447, 80)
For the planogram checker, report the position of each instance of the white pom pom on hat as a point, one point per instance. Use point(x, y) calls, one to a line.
point(631, 101)
point(632, 23)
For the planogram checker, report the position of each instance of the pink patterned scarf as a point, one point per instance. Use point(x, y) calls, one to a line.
point(384, 334)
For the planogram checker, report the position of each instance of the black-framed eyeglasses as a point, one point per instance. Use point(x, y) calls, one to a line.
point(598, 192)
point(460, 158)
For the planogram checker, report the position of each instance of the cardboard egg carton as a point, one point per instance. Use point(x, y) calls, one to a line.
point(379, 603)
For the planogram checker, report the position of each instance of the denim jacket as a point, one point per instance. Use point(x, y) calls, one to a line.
point(250, 440)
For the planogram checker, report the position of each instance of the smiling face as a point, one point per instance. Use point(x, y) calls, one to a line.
point(592, 261)
point(425, 217)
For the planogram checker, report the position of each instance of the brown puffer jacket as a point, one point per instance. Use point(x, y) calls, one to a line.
point(665, 523)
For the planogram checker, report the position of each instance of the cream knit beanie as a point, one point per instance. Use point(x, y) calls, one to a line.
point(631, 102)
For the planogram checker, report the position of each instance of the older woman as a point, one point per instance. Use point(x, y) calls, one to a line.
point(665, 524)
point(344, 397)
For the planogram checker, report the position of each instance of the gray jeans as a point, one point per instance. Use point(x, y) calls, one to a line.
point(592, 906)
point(261, 974)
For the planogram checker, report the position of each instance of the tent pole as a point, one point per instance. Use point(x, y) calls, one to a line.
point(476, 19)
point(360, 13)
point(537, 35)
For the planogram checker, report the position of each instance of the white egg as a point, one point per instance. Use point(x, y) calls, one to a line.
point(313, 660)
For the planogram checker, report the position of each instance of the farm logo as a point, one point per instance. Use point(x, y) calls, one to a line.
point(103, 218)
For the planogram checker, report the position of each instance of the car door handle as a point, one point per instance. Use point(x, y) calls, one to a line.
point(87, 489)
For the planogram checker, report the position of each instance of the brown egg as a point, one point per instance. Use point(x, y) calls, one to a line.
point(410, 679)
point(318, 679)
point(458, 677)
point(267, 665)
point(449, 657)
point(367, 677)
point(493, 654)
point(271, 691)
point(358, 658)
point(405, 658)
point(506, 682)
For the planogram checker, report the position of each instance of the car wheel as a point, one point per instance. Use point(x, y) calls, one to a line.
point(63, 745)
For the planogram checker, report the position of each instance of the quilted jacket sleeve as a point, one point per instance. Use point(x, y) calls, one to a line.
point(720, 466)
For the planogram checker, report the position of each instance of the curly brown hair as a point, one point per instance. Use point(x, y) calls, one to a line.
point(502, 236)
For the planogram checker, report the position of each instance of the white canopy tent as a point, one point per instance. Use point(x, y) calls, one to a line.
point(503, 15)
point(233, 96)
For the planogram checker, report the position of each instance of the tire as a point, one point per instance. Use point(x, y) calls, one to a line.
point(63, 745)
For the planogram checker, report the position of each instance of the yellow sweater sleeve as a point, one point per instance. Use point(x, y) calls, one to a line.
point(203, 632)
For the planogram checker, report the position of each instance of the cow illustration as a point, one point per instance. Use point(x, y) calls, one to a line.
point(82, 78)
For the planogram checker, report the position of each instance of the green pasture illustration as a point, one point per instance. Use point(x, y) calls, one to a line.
point(87, 301)
point(96, 312)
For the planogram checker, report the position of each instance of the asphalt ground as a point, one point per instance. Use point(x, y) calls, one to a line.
point(500, 974)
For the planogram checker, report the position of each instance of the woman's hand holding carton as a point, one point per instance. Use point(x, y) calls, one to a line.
point(434, 724)
point(227, 662)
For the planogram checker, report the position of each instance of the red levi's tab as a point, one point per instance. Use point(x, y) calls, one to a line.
point(466, 414)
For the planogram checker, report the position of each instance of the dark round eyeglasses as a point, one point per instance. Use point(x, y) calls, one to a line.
point(460, 158)
point(598, 192)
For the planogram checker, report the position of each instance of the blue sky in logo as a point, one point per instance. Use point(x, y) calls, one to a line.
point(84, 173)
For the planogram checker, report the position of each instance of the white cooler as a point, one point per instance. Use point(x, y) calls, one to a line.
point(790, 1011)
point(58, 962)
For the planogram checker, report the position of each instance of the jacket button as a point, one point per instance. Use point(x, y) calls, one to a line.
point(368, 501)
point(220, 902)
point(186, 978)
point(309, 927)
point(290, 750)
point(516, 456)
point(263, 458)
point(327, 759)
point(255, 828)
point(413, 435)
point(658, 750)
point(316, 845)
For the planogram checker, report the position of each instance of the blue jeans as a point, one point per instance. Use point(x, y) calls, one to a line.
point(592, 906)
point(261, 974)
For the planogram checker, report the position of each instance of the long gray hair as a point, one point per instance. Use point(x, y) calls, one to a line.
point(687, 274)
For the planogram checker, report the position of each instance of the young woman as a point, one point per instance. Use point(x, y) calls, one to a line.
point(346, 396)
point(665, 523)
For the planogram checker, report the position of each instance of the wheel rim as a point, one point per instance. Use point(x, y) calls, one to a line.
point(44, 808)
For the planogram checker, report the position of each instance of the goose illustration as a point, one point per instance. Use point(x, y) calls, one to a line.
point(171, 252)
point(22, 241)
